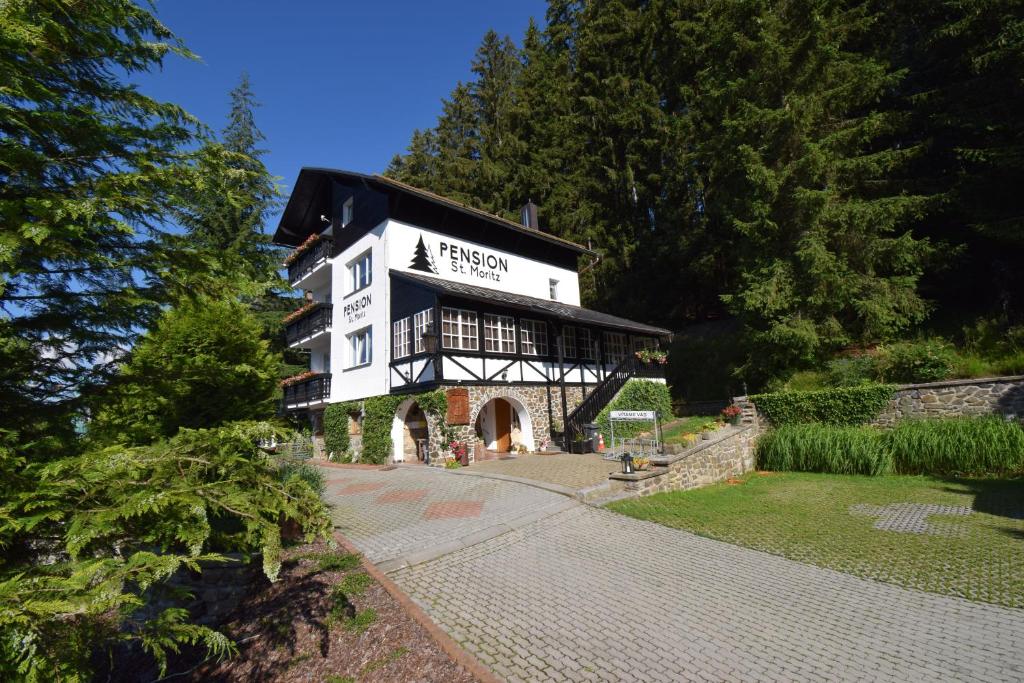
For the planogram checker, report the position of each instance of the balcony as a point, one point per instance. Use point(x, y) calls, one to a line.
point(311, 326)
point(316, 389)
point(310, 270)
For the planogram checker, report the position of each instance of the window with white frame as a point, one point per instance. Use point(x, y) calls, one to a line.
point(533, 337)
point(568, 342)
point(585, 342)
point(360, 347)
point(499, 333)
point(360, 272)
point(459, 329)
point(346, 211)
point(640, 343)
point(401, 343)
point(614, 347)
point(422, 323)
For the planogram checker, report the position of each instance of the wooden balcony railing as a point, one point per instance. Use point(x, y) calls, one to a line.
point(314, 321)
point(317, 254)
point(313, 390)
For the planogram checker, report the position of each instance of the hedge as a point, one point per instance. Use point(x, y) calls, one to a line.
point(974, 446)
point(839, 406)
point(637, 394)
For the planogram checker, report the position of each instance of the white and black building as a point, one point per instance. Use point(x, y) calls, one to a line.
point(408, 291)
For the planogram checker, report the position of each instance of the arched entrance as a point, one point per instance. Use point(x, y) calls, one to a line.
point(503, 425)
point(409, 433)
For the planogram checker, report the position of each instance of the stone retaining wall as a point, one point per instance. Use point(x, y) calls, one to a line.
point(728, 453)
point(997, 395)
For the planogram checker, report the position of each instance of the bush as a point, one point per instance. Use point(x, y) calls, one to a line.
point(379, 412)
point(919, 361)
point(312, 475)
point(637, 394)
point(972, 446)
point(841, 406)
point(852, 371)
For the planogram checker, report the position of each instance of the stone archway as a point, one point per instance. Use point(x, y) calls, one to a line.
point(409, 428)
point(503, 422)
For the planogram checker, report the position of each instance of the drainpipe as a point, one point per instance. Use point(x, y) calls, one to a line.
point(561, 381)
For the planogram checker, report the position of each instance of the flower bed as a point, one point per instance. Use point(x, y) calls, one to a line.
point(301, 249)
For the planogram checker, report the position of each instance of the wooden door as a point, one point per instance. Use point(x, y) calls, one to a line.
point(503, 424)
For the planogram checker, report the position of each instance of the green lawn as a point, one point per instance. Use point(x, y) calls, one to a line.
point(808, 517)
point(672, 432)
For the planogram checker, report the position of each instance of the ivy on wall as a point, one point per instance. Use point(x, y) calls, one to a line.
point(839, 406)
point(379, 413)
point(336, 416)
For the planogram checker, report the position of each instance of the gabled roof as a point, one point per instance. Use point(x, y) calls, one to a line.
point(530, 304)
point(311, 177)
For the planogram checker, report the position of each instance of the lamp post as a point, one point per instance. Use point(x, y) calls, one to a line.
point(430, 346)
point(627, 463)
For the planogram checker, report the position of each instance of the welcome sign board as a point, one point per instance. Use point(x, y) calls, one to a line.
point(632, 415)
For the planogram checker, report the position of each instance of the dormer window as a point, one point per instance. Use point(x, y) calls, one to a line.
point(346, 212)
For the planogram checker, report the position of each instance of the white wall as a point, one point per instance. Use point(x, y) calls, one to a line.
point(354, 311)
point(485, 267)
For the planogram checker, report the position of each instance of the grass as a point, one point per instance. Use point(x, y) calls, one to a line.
point(361, 621)
point(974, 446)
point(337, 562)
point(675, 431)
point(355, 584)
point(807, 517)
point(397, 653)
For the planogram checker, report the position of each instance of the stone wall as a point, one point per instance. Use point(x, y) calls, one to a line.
point(998, 395)
point(543, 403)
point(728, 453)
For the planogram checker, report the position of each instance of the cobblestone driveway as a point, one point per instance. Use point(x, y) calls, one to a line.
point(416, 512)
point(586, 594)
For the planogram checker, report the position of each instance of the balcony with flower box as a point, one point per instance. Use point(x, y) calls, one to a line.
point(309, 326)
point(306, 390)
point(308, 266)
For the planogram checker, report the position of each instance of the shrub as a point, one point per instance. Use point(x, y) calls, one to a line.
point(852, 371)
point(840, 406)
point(973, 446)
point(379, 412)
point(918, 361)
point(637, 394)
point(823, 448)
point(294, 468)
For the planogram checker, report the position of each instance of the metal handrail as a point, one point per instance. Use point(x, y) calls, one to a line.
point(601, 395)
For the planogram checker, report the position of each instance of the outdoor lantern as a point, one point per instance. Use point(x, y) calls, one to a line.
point(627, 464)
point(430, 342)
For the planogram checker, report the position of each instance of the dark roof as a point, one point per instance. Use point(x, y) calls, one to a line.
point(381, 183)
point(529, 303)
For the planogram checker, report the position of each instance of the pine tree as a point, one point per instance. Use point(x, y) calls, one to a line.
point(421, 259)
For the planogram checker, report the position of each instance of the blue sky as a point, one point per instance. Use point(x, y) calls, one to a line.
point(342, 84)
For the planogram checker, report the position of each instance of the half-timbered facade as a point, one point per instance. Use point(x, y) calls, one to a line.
point(407, 291)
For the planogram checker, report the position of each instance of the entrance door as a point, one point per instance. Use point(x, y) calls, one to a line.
point(503, 425)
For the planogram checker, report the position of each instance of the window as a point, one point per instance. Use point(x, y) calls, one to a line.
point(459, 330)
point(422, 322)
point(586, 343)
point(346, 211)
point(361, 272)
point(568, 342)
point(614, 347)
point(640, 343)
point(499, 334)
point(360, 348)
point(533, 336)
point(553, 288)
point(401, 341)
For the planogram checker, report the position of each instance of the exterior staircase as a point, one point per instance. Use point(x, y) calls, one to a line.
point(601, 395)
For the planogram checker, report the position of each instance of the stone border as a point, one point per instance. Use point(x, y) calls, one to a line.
point(1006, 379)
point(445, 641)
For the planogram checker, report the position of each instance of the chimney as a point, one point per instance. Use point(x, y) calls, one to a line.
point(528, 215)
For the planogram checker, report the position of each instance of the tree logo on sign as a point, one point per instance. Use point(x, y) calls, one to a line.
point(422, 258)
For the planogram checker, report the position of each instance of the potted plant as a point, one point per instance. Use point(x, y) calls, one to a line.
point(580, 444)
point(640, 463)
point(652, 356)
point(707, 428)
point(732, 414)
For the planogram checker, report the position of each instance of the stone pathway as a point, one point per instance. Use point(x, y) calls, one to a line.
point(575, 471)
point(580, 593)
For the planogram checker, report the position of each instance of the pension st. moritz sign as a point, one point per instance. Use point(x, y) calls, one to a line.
point(455, 258)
